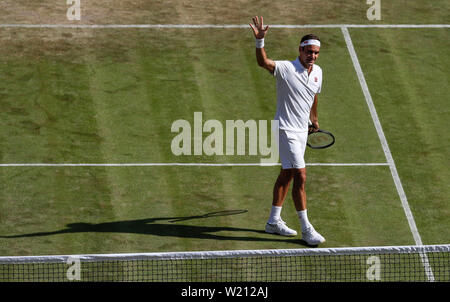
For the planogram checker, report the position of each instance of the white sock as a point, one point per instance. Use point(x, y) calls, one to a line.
point(275, 215)
point(304, 222)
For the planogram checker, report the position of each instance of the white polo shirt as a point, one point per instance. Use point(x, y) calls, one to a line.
point(295, 93)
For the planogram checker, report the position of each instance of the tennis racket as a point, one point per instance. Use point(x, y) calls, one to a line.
point(319, 139)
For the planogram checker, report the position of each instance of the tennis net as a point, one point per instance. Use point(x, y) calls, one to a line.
point(394, 263)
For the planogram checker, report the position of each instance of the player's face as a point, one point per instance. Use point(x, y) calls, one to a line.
point(309, 55)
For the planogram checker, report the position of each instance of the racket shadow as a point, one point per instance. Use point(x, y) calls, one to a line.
point(212, 214)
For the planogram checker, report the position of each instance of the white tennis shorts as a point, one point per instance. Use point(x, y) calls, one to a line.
point(292, 147)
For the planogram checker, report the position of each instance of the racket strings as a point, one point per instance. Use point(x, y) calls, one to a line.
point(320, 139)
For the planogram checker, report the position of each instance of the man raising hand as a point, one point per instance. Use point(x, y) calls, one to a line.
point(298, 83)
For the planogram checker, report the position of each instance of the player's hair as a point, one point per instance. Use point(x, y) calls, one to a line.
point(309, 37)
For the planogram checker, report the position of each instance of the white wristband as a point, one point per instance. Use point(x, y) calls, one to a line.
point(259, 43)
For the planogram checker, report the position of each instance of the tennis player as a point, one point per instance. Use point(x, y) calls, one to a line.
point(298, 82)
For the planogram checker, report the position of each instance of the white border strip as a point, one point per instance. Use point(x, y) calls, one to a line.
point(200, 26)
point(387, 152)
point(181, 164)
point(445, 248)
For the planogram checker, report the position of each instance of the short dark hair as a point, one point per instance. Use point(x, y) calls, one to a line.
point(310, 37)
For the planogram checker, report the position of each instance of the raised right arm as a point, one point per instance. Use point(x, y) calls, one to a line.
point(259, 32)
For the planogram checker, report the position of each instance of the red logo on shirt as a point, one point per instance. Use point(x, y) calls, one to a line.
point(315, 79)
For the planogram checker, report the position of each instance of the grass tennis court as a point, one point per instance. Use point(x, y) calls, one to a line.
point(111, 95)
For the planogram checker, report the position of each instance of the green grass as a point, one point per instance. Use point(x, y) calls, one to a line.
point(128, 212)
point(410, 83)
point(111, 96)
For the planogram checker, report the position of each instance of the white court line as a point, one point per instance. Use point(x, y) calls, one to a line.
point(387, 151)
point(200, 26)
point(180, 164)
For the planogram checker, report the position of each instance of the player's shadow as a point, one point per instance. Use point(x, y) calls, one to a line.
point(151, 226)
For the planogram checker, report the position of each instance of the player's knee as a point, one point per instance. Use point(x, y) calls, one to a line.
point(299, 176)
point(285, 177)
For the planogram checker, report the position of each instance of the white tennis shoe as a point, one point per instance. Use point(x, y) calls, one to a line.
point(312, 237)
point(280, 228)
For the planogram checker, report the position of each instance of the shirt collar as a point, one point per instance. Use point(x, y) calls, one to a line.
point(300, 67)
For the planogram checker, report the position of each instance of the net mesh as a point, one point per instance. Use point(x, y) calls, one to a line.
point(425, 263)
